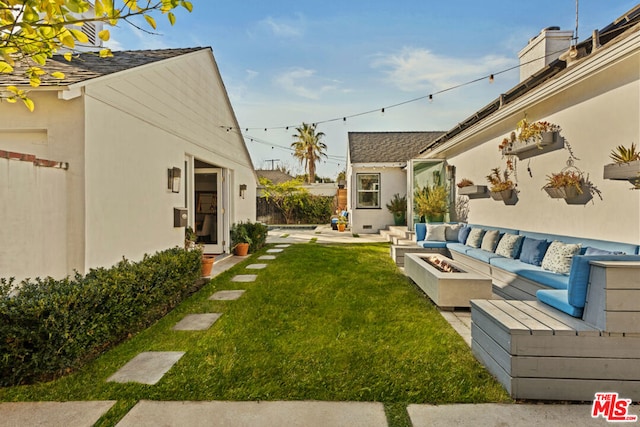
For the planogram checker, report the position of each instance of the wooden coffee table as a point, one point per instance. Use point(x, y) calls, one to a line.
point(447, 289)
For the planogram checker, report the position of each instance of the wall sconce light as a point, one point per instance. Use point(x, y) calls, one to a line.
point(173, 181)
point(243, 189)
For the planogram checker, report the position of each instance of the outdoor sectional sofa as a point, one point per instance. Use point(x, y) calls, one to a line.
point(518, 272)
point(556, 335)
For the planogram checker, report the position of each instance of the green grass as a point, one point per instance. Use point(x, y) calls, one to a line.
point(322, 322)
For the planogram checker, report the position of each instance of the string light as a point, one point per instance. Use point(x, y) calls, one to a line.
point(491, 78)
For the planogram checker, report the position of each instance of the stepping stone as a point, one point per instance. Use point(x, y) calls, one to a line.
point(260, 414)
point(245, 278)
point(197, 322)
point(256, 266)
point(226, 295)
point(147, 368)
point(274, 251)
point(283, 246)
point(267, 257)
point(53, 414)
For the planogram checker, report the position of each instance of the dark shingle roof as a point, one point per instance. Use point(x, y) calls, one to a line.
point(88, 66)
point(388, 147)
point(275, 176)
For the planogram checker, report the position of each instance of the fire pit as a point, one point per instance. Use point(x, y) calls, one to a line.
point(442, 265)
point(446, 282)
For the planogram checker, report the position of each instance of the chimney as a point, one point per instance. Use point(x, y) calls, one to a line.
point(542, 50)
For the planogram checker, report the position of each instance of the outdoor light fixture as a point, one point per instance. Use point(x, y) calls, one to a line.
point(173, 181)
point(451, 171)
point(243, 188)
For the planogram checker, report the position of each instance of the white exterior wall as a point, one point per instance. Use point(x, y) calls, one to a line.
point(392, 180)
point(140, 123)
point(41, 209)
point(131, 126)
point(598, 108)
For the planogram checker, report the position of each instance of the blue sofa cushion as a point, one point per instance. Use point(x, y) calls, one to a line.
point(482, 255)
point(546, 278)
point(458, 247)
point(421, 231)
point(579, 275)
point(463, 234)
point(558, 299)
point(533, 250)
point(432, 244)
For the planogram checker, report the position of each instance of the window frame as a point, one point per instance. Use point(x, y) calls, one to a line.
point(375, 190)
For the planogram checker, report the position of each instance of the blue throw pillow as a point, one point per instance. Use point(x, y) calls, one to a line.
point(463, 234)
point(533, 251)
point(596, 251)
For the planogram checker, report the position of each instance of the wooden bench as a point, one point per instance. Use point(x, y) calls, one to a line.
point(538, 352)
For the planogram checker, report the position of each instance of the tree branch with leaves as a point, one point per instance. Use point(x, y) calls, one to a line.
point(32, 31)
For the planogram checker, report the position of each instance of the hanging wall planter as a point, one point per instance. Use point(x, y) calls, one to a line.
point(474, 191)
point(571, 185)
point(626, 166)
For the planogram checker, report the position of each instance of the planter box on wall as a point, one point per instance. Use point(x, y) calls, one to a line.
point(509, 197)
point(624, 171)
point(570, 194)
point(551, 141)
point(474, 191)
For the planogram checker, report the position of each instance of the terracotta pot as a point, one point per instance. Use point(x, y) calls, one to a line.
point(241, 249)
point(207, 265)
point(341, 227)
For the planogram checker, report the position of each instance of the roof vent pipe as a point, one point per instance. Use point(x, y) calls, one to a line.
point(595, 38)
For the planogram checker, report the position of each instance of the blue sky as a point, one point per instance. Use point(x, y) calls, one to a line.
point(285, 62)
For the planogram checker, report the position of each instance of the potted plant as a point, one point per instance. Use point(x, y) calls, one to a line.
point(398, 207)
point(342, 223)
point(502, 187)
point(531, 139)
point(466, 187)
point(240, 239)
point(432, 202)
point(565, 184)
point(191, 244)
point(626, 165)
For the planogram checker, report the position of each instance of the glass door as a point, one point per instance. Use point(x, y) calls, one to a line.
point(209, 209)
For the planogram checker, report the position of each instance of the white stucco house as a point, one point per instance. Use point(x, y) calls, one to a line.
point(377, 164)
point(592, 91)
point(116, 159)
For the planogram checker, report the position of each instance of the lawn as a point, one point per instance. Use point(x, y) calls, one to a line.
point(321, 322)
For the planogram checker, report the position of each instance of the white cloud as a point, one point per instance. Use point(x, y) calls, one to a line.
point(251, 74)
point(415, 69)
point(304, 82)
point(284, 27)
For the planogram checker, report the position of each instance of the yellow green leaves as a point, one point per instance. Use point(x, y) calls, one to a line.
point(5, 68)
point(105, 53)
point(150, 21)
point(187, 5)
point(68, 56)
point(19, 94)
point(172, 18)
point(57, 75)
point(104, 35)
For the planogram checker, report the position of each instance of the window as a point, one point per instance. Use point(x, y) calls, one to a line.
point(368, 190)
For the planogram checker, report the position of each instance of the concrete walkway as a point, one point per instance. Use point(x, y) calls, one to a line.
point(305, 413)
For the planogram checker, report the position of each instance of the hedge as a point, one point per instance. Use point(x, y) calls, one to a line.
point(51, 327)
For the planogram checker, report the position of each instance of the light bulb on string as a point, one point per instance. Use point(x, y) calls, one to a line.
point(382, 111)
point(430, 98)
point(491, 79)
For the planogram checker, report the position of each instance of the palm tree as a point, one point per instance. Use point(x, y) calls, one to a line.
point(309, 148)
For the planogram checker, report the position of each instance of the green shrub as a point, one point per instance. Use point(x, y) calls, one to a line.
point(314, 209)
point(51, 327)
point(254, 233)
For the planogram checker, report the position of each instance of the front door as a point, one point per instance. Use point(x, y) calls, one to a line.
point(209, 210)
